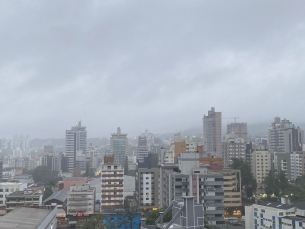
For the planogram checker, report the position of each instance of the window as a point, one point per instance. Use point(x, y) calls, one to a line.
point(1, 190)
point(6, 189)
point(108, 167)
point(17, 189)
point(12, 190)
point(115, 167)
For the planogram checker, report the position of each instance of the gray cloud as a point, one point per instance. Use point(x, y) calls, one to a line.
point(140, 65)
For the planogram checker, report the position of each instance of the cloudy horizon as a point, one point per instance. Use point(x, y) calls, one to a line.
point(156, 65)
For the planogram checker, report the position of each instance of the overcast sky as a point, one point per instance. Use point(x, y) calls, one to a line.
point(157, 65)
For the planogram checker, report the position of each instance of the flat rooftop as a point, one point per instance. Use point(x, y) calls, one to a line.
point(24, 218)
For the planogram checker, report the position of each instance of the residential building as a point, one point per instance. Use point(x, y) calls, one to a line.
point(142, 148)
point(76, 141)
point(284, 136)
point(70, 181)
point(232, 190)
point(276, 215)
point(40, 217)
point(189, 215)
point(119, 146)
point(80, 200)
point(297, 163)
point(147, 187)
point(17, 153)
point(248, 152)
point(193, 180)
point(239, 129)
point(150, 161)
point(8, 188)
point(51, 161)
point(212, 133)
point(27, 197)
point(112, 178)
point(282, 162)
point(212, 161)
point(260, 164)
point(232, 147)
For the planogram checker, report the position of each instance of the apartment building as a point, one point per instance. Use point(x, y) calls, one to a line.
point(232, 147)
point(232, 189)
point(147, 185)
point(212, 132)
point(27, 197)
point(282, 162)
point(119, 146)
point(284, 136)
point(260, 164)
point(8, 188)
point(239, 129)
point(112, 178)
point(276, 215)
point(297, 162)
point(206, 186)
point(80, 200)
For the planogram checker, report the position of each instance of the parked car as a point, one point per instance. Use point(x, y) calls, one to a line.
point(237, 224)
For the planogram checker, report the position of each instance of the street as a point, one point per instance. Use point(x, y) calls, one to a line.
point(230, 226)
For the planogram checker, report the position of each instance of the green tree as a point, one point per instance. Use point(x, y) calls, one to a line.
point(42, 174)
point(47, 193)
point(276, 185)
point(95, 222)
point(248, 182)
point(131, 211)
point(154, 215)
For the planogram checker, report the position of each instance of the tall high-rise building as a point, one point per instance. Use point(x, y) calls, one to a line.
point(76, 141)
point(142, 148)
point(119, 146)
point(212, 133)
point(284, 136)
point(239, 129)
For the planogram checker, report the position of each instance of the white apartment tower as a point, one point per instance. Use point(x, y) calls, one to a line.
point(232, 147)
point(76, 141)
point(212, 133)
point(119, 146)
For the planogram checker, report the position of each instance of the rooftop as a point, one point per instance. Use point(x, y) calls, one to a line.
point(24, 218)
point(61, 195)
point(300, 205)
point(76, 178)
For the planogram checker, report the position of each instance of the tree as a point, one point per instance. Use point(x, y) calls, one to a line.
point(248, 182)
point(42, 174)
point(47, 193)
point(154, 215)
point(89, 173)
point(95, 222)
point(130, 212)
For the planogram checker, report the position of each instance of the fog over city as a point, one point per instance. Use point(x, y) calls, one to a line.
point(157, 65)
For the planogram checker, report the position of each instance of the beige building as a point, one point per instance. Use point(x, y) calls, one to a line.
point(260, 164)
point(231, 187)
point(112, 177)
point(81, 200)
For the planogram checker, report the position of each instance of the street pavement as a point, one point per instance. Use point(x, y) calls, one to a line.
point(230, 225)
